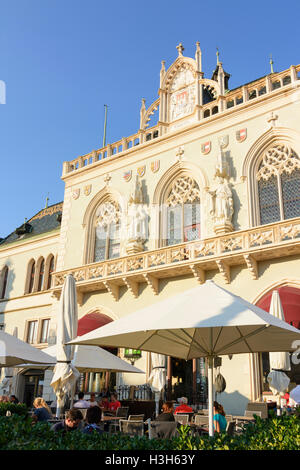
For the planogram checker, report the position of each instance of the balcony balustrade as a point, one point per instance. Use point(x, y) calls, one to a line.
point(245, 247)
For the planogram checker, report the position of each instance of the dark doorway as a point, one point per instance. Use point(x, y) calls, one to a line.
point(34, 382)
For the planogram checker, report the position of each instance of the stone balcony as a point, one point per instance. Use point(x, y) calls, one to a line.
point(245, 247)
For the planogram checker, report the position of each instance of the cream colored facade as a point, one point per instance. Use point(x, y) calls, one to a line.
point(205, 135)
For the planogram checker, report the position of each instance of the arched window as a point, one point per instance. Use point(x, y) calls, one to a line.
point(278, 180)
point(107, 231)
point(3, 282)
point(50, 271)
point(41, 275)
point(31, 277)
point(182, 211)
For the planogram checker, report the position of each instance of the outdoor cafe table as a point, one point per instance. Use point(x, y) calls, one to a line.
point(110, 422)
point(110, 418)
point(243, 418)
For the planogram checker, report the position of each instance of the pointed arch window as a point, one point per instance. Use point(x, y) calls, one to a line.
point(107, 231)
point(278, 180)
point(3, 285)
point(182, 211)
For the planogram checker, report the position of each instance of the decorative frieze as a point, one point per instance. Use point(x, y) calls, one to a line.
point(246, 247)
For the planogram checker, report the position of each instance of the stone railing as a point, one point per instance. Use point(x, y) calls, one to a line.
point(252, 91)
point(220, 252)
point(123, 145)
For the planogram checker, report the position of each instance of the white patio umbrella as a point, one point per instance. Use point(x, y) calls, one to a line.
point(279, 361)
point(65, 374)
point(295, 394)
point(13, 351)
point(157, 378)
point(205, 321)
point(6, 384)
point(90, 359)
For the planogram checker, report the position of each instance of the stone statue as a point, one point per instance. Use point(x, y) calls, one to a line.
point(137, 219)
point(222, 202)
point(221, 207)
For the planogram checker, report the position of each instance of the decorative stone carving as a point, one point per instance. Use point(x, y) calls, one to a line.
point(222, 206)
point(107, 213)
point(184, 190)
point(221, 202)
point(276, 160)
point(183, 78)
point(182, 102)
point(137, 219)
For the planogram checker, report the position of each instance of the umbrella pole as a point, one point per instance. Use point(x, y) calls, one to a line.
point(157, 397)
point(72, 395)
point(210, 396)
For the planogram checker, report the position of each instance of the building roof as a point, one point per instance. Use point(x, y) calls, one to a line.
point(44, 221)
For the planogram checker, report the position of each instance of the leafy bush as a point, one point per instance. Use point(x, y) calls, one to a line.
point(277, 433)
point(19, 409)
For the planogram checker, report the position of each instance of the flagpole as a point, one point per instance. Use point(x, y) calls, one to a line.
point(105, 124)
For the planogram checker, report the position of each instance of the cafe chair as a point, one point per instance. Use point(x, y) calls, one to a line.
point(122, 412)
point(253, 413)
point(132, 428)
point(230, 428)
point(201, 420)
point(136, 417)
point(181, 418)
point(229, 418)
point(162, 429)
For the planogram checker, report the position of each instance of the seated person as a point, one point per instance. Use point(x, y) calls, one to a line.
point(71, 422)
point(104, 403)
point(183, 407)
point(14, 399)
point(92, 400)
point(42, 411)
point(114, 404)
point(167, 412)
point(220, 423)
point(81, 403)
point(93, 419)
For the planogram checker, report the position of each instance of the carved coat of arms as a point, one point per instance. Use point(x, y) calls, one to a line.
point(206, 147)
point(87, 189)
point(127, 175)
point(155, 166)
point(141, 170)
point(76, 193)
point(241, 135)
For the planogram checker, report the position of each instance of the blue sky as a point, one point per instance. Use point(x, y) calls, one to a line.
point(62, 60)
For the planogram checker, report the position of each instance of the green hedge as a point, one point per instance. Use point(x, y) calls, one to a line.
point(276, 433)
point(19, 409)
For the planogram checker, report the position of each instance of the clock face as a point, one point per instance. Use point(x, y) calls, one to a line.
point(182, 102)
